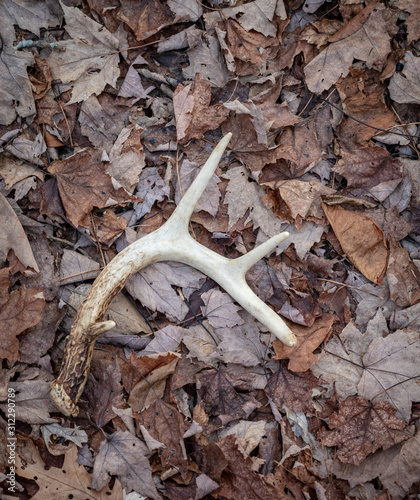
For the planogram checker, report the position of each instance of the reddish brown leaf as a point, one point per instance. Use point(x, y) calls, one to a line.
point(241, 481)
point(22, 311)
point(220, 398)
point(83, 184)
point(301, 356)
point(292, 389)
point(361, 427)
point(166, 424)
point(361, 239)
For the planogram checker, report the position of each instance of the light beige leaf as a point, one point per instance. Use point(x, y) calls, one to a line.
point(392, 370)
point(340, 362)
point(13, 237)
point(33, 402)
point(76, 435)
point(76, 267)
point(220, 309)
point(91, 58)
point(407, 88)
point(370, 44)
point(202, 343)
point(70, 481)
point(13, 171)
point(209, 200)
point(186, 10)
point(124, 455)
point(125, 314)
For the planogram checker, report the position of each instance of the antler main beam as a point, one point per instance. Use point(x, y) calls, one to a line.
point(171, 241)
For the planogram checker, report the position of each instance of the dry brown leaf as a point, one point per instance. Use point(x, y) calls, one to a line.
point(193, 112)
point(72, 479)
point(83, 184)
point(109, 227)
point(242, 481)
point(13, 237)
point(166, 424)
point(23, 310)
point(220, 399)
point(90, 58)
point(125, 456)
point(293, 390)
point(361, 239)
point(413, 7)
point(361, 427)
point(301, 357)
point(403, 276)
point(75, 267)
point(370, 43)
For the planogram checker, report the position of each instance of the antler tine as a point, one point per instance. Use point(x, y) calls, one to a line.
point(171, 241)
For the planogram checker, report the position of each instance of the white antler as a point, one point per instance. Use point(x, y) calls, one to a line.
point(171, 241)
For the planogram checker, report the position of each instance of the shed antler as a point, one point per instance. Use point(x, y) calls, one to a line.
point(171, 241)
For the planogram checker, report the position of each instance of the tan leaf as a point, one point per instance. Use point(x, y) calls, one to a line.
point(413, 7)
point(361, 427)
point(13, 237)
point(123, 455)
point(403, 276)
point(70, 479)
point(361, 239)
point(407, 88)
point(370, 43)
point(301, 356)
point(83, 184)
point(220, 309)
point(109, 227)
point(90, 57)
point(75, 267)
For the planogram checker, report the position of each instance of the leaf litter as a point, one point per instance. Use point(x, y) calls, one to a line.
point(108, 111)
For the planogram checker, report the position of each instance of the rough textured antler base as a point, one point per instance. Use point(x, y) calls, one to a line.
point(173, 242)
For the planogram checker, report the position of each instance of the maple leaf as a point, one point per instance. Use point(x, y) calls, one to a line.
point(90, 58)
point(361, 427)
point(83, 184)
point(71, 479)
point(125, 456)
point(220, 309)
point(292, 389)
point(363, 39)
point(220, 398)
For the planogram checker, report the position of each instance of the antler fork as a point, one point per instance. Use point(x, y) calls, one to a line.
point(171, 241)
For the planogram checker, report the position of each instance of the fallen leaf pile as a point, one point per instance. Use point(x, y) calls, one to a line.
point(108, 110)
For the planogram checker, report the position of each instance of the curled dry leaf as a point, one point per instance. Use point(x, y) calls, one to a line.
point(361, 239)
point(361, 427)
point(193, 112)
point(301, 356)
point(403, 276)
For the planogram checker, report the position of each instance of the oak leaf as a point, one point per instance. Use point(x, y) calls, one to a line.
point(361, 427)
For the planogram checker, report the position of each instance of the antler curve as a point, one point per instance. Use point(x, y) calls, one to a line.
point(171, 241)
